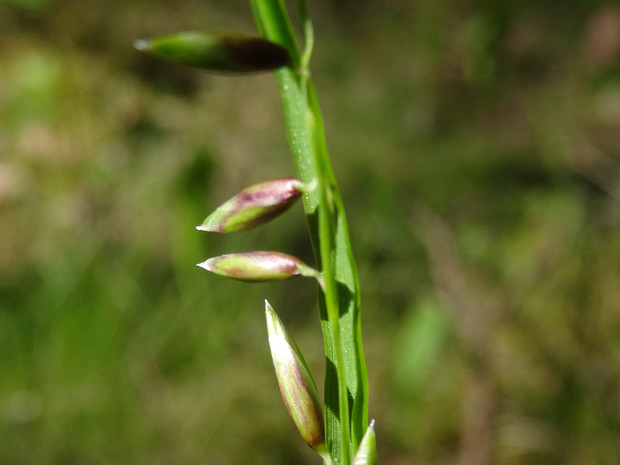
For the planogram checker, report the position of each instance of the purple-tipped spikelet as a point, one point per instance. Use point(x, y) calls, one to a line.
point(224, 52)
point(258, 266)
point(253, 206)
point(367, 451)
point(296, 384)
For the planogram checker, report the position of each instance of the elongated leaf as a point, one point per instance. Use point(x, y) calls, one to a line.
point(340, 305)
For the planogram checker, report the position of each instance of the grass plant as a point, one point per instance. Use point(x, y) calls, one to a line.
point(346, 387)
point(476, 151)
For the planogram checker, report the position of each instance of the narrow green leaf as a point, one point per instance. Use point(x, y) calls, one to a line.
point(346, 385)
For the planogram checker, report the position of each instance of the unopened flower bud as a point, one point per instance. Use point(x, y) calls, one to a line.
point(224, 52)
point(258, 266)
point(296, 384)
point(253, 206)
point(367, 451)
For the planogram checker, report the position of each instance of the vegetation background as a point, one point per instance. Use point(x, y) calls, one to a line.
point(477, 144)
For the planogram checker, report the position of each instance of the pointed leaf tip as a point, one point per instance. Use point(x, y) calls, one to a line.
point(367, 452)
point(141, 44)
point(206, 264)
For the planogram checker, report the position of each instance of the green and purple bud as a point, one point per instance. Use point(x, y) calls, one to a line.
point(259, 266)
point(224, 52)
point(367, 451)
point(296, 384)
point(253, 206)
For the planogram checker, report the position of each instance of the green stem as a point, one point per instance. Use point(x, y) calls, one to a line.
point(326, 248)
point(346, 386)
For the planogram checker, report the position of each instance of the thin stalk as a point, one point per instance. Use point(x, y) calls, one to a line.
point(326, 231)
point(346, 386)
point(326, 248)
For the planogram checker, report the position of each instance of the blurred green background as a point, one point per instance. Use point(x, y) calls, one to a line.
point(478, 149)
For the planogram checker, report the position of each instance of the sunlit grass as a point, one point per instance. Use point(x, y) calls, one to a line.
point(117, 349)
